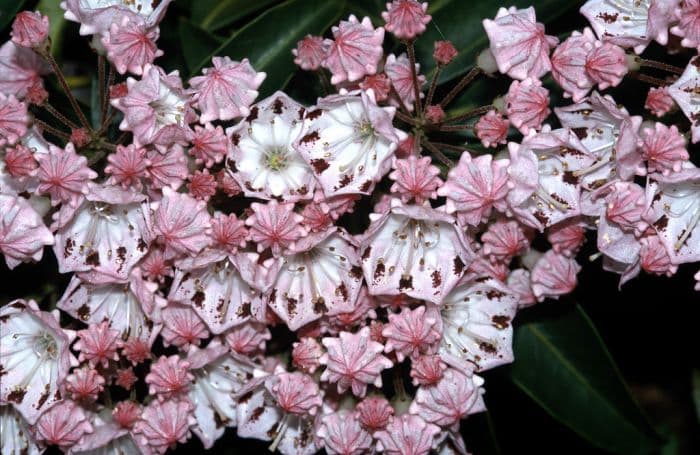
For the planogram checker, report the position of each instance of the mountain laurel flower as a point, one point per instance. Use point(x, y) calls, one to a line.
point(353, 361)
point(492, 129)
point(228, 232)
point(348, 141)
point(127, 166)
point(125, 378)
point(131, 45)
point(126, 414)
point(342, 433)
point(380, 84)
point(35, 358)
point(23, 234)
point(415, 179)
point(63, 175)
point(182, 327)
point(21, 71)
point(687, 12)
point(454, 397)
point(519, 44)
point(663, 148)
point(182, 223)
point(209, 145)
point(30, 29)
point(202, 185)
point(567, 238)
point(623, 23)
point(156, 108)
point(84, 385)
point(169, 377)
point(554, 275)
point(374, 413)
point(569, 61)
point(406, 19)
point(20, 162)
point(354, 51)
point(427, 369)
point(475, 187)
point(444, 52)
point(248, 338)
point(165, 423)
point(96, 17)
point(659, 101)
point(306, 354)
point(98, 344)
point(14, 119)
point(410, 333)
point(225, 90)
point(274, 225)
point(606, 64)
point(407, 433)
point(398, 69)
point(415, 251)
point(63, 425)
point(683, 93)
point(17, 436)
point(295, 393)
point(653, 257)
point(310, 52)
point(527, 104)
point(266, 165)
point(504, 240)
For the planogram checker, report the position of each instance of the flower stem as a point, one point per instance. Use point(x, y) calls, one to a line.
point(405, 118)
point(659, 65)
point(438, 154)
point(51, 130)
point(433, 86)
point(53, 111)
point(69, 94)
point(469, 114)
point(414, 75)
point(101, 84)
point(466, 80)
point(648, 79)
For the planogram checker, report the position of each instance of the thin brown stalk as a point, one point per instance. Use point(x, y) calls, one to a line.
point(466, 80)
point(69, 94)
point(414, 75)
point(438, 154)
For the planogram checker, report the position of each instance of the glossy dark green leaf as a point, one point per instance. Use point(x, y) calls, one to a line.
point(8, 9)
point(196, 42)
point(460, 22)
point(268, 40)
point(563, 365)
point(215, 14)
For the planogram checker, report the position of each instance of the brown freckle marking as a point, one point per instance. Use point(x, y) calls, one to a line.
point(608, 17)
point(141, 245)
point(365, 186)
point(342, 291)
point(18, 305)
point(345, 181)
point(301, 113)
point(243, 310)
point(4, 318)
point(356, 272)
point(406, 283)
point(68, 249)
point(379, 271)
point(277, 106)
point(198, 298)
point(220, 422)
point(320, 305)
point(319, 165)
point(494, 294)
point(253, 114)
point(560, 200)
point(310, 137)
point(245, 397)
point(121, 258)
point(235, 139)
point(365, 254)
point(314, 114)
point(3, 371)
point(16, 396)
point(437, 278)
point(57, 395)
point(44, 396)
point(541, 217)
point(257, 412)
point(84, 312)
point(291, 306)
point(93, 259)
point(500, 321)
point(580, 133)
point(458, 265)
point(488, 347)
point(661, 223)
point(570, 178)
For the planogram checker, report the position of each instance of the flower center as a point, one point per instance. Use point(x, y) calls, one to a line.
point(45, 345)
point(276, 159)
point(365, 130)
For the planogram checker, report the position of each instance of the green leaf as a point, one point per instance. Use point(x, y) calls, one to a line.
point(8, 9)
point(57, 23)
point(215, 14)
point(563, 365)
point(460, 22)
point(269, 39)
point(196, 42)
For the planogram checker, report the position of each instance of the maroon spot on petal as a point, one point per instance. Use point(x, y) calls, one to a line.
point(570, 178)
point(291, 306)
point(219, 421)
point(257, 412)
point(345, 181)
point(245, 397)
point(494, 294)
point(235, 138)
point(379, 271)
point(500, 321)
point(301, 113)
point(356, 272)
point(661, 223)
point(406, 283)
point(141, 245)
point(320, 305)
point(277, 106)
point(319, 165)
point(93, 259)
point(68, 248)
point(198, 298)
point(243, 310)
point(365, 254)
point(310, 137)
point(84, 312)
point(16, 396)
point(253, 114)
point(581, 133)
point(609, 18)
point(541, 217)
point(488, 347)
point(42, 399)
point(458, 265)
point(121, 258)
point(342, 291)
point(437, 278)
point(313, 115)
point(365, 186)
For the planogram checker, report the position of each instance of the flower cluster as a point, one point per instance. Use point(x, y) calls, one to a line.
point(215, 219)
